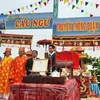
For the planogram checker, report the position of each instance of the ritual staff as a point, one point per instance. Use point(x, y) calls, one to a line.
point(18, 67)
point(30, 62)
point(5, 69)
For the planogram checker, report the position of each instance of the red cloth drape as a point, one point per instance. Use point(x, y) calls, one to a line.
point(69, 56)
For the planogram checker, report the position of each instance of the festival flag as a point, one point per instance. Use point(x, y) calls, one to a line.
point(86, 3)
point(81, 2)
point(22, 8)
point(91, 4)
point(35, 4)
point(14, 11)
point(73, 6)
point(31, 5)
point(40, 6)
point(91, 15)
point(45, 3)
point(36, 8)
point(39, 2)
point(32, 11)
point(82, 10)
point(18, 9)
point(97, 5)
point(65, 1)
point(77, 7)
point(72, 1)
point(77, 1)
point(69, 3)
point(86, 13)
point(2, 14)
point(10, 12)
point(6, 13)
point(27, 7)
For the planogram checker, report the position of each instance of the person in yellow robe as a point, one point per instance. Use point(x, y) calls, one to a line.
point(18, 67)
point(5, 68)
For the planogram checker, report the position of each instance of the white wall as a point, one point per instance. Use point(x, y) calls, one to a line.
point(64, 10)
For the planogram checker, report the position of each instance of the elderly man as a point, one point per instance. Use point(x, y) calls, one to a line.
point(18, 67)
point(5, 68)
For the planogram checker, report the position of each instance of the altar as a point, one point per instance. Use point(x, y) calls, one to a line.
point(25, 91)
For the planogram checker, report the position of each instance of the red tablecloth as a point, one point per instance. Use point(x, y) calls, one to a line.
point(68, 91)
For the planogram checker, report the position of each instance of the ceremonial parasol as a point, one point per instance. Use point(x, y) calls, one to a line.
point(44, 42)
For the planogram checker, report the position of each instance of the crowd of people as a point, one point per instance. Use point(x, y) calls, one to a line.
point(12, 70)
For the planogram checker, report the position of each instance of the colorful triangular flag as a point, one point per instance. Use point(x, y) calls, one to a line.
point(86, 13)
point(35, 8)
point(14, 11)
point(10, 12)
point(81, 2)
point(31, 5)
point(42, 1)
point(39, 2)
point(35, 4)
point(32, 11)
point(2, 14)
point(73, 6)
point(27, 7)
point(18, 9)
point(91, 15)
point(86, 3)
point(40, 6)
point(45, 3)
point(69, 3)
point(65, 1)
point(77, 7)
point(91, 4)
point(22, 8)
point(82, 10)
point(97, 5)
point(77, 1)
point(6, 12)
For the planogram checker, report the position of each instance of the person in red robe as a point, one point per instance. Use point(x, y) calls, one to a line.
point(5, 68)
point(18, 67)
